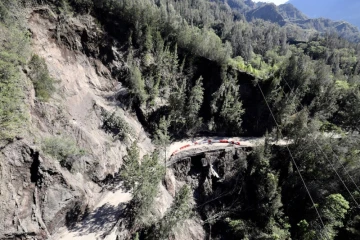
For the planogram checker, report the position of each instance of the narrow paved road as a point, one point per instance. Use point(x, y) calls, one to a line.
point(216, 142)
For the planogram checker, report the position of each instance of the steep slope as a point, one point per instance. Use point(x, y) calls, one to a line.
point(267, 12)
point(86, 86)
point(85, 168)
point(38, 195)
point(288, 11)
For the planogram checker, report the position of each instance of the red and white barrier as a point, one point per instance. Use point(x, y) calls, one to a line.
point(209, 141)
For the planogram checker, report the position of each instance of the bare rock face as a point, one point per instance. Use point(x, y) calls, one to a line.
point(18, 177)
point(38, 196)
point(35, 195)
point(190, 229)
point(85, 62)
point(170, 182)
point(206, 173)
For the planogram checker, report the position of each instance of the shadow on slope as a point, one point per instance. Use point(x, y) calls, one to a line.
point(101, 220)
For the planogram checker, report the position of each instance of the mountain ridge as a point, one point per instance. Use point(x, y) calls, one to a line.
point(335, 9)
point(288, 14)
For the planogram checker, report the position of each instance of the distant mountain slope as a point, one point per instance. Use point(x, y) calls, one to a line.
point(288, 14)
point(344, 29)
point(334, 9)
point(267, 12)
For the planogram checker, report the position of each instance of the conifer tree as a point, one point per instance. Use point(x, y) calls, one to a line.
point(137, 85)
point(143, 178)
point(195, 101)
point(162, 136)
point(227, 105)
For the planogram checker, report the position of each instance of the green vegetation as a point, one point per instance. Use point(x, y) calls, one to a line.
point(39, 74)
point(61, 148)
point(195, 100)
point(196, 66)
point(156, 71)
point(179, 211)
point(11, 96)
point(116, 125)
point(227, 105)
point(13, 52)
point(162, 137)
point(143, 179)
point(334, 211)
point(263, 183)
point(137, 85)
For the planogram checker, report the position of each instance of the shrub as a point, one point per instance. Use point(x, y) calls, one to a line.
point(11, 107)
point(116, 125)
point(39, 74)
point(61, 148)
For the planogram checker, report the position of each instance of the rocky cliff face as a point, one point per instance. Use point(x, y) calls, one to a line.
point(212, 176)
point(37, 195)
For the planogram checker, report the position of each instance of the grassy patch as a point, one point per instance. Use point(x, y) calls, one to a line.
point(61, 148)
point(13, 52)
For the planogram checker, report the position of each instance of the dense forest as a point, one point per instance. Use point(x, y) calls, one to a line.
point(201, 67)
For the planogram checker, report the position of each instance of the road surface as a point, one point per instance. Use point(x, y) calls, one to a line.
point(216, 142)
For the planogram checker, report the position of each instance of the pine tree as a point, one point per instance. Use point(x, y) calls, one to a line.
point(137, 85)
point(195, 101)
point(283, 42)
point(227, 105)
point(148, 39)
point(177, 102)
point(143, 178)
point(162, 136)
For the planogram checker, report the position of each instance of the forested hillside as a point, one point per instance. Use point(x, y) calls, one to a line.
point(203, 68)
point(168, 44)
point(291, 17)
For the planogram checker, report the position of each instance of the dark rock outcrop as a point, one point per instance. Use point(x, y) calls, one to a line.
point(35, 194)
